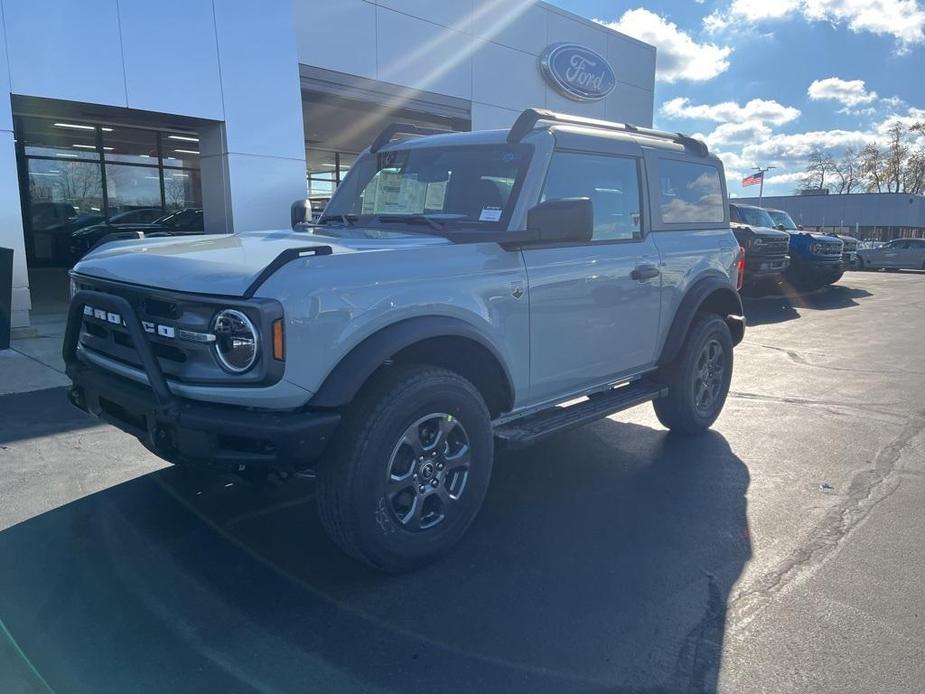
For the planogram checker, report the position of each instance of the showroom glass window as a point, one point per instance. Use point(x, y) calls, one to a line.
point(74, 174)
point(325, 170)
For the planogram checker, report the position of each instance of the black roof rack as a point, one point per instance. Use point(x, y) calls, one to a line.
point(393, 129)
point(527, 121)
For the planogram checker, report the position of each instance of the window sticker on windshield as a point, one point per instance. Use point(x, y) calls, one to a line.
point(490, 214)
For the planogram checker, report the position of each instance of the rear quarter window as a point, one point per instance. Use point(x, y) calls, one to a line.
point(689, 193)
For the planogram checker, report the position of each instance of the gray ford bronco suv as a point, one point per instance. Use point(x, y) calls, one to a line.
point(461, 292)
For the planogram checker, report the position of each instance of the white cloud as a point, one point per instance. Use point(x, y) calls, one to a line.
point(849, 93)
point(751, 11)
point(904, 20)
point(798, 146)
point(738, 133)
point(757, 110)
point(679, 56)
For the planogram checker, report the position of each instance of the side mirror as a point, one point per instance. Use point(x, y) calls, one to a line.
point(564, 220)
point(300, 212)
point(800, 227)
point(781, 227)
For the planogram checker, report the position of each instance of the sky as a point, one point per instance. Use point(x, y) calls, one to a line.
point(764, 81)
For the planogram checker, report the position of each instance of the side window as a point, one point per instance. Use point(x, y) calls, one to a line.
point(612, 183)
point(689, 193)
point(734, 214)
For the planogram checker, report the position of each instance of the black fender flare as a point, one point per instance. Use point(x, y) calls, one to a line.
point(347, 378)
point(714, 293)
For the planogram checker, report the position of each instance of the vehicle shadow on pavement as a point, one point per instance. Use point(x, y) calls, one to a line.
point(19, 420)
point(783, 303)
point(602, 561)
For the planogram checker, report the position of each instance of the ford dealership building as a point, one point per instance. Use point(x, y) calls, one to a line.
point(223, 113)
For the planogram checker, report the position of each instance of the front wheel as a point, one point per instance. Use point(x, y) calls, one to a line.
point(698, 380)
point(409, 468)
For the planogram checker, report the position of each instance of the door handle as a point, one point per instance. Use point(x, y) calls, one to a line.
point(646, 271)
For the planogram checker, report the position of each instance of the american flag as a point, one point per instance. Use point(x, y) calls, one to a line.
point(753, 179)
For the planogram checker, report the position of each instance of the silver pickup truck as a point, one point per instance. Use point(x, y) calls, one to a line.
point(461, 291)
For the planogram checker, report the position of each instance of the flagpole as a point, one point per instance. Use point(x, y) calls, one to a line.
point(761, 172)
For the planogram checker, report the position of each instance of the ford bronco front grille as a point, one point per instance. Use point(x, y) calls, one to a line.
point(773, 247)
point(178, 327)
point(105, 333)
point(830, 249)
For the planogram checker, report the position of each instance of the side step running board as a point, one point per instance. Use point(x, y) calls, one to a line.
point(530, 429)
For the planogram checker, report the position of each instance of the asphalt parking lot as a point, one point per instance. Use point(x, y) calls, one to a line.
point(780, 553)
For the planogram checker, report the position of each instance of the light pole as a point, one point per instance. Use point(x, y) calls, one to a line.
point(763, 171)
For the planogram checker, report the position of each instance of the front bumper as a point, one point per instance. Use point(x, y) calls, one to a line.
point(823, 266)
point(187, 431)
point(758, 267)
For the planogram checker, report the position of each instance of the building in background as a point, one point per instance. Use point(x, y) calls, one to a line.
point(227, 112)
point(867, 216)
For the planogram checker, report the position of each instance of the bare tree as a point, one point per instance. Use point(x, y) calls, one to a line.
point(872, 168)
point(896, 157)
point(848, 172)
point(821, 164)
point(896, 167)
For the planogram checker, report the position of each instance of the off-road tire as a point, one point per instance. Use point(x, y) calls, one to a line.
point(678, 410)
point(837, 276)
point(352, 492)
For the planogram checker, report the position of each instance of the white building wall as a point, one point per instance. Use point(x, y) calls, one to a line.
point(486, 51)
point(228, 61)
point(10, 208)
point(236, 63)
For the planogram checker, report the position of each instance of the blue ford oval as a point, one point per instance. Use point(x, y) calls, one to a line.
point(577, 72)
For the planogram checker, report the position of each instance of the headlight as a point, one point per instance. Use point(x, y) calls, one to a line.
point(237, 343)
point(816, 249)
point(756, 243)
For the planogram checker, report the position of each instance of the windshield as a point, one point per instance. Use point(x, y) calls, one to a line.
point(783, 219)
point(755, 216)
point(442, 187)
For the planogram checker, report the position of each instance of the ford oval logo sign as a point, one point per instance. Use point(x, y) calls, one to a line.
point(577, 72)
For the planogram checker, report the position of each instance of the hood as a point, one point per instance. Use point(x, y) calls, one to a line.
point(110, 228)
point(818, 236)
point(813, 235)
point(763, 232)
point(226, 264)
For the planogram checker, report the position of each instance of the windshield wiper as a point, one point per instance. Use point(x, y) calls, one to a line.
point(411, 219)
point(346, 219)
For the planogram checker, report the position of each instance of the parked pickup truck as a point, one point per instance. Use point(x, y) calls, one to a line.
point(815, 259)
point(766, 248)
point(462, 291)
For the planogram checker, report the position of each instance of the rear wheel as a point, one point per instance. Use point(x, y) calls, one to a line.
point(698, 380)
point(409, 468)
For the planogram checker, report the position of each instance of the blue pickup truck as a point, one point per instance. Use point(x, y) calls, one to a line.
point(815, 259)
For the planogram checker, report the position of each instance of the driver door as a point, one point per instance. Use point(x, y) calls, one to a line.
point(594, 306)
point(893, 253)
